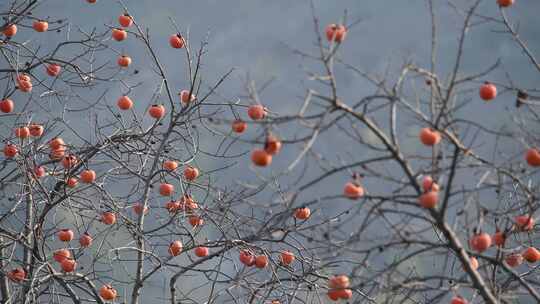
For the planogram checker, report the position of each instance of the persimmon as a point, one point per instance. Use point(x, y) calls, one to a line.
point(119, 34)
point(524, 222)
point(428, 184)
point(53, 69)
point(339, 281)
point(166, 189)
point(531, 255)
point(172, 206)
point(201, 251)
point(353, 190)
point(107, 293)
point(10, 30)
point(124, 103)
point(261, 261)
point(272, 145)
point(187, 203)
point(176, 41)
point(499, 238)
point(480, 242)
point(261, 158)
point(286, 257)
point(68, 265)
point(170, 165)
point(40, 171)
point(429, 137)
point(157, 111)
point(61, 254)
point(344, 294)
point(533, 157)
point(195, 220)
point(40, 26)
point(191, 173)
point(69, 161)
point(302, 213)
point(336, 33)
point(7, 105)
point(10, 150)
point(125, 20)
point(184, 97)
point(17, 275)
point(124, 61)
point(175, 248)
point(23, 77)
point(458, 300)
point(514, 260)
point(24, 86)
point(108, 218)
point(333, 294)
point(22, 132)
point(88, 176)
point(36, 130)
point(65, 235)
point(256, 112)
point(474, 263)
point(247, 258)
point(488, 91)
point(429, 199)
point(72, 182)
point(505, 3)
point(57, 143)
point(139, 209)
point(85, 240)
point(239, 126)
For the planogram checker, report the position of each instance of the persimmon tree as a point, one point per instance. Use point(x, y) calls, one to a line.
point(111, 185)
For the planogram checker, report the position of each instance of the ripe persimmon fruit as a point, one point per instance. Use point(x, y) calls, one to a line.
point(480, 242)
point(119, 34)
point(166, 189)
point(10, 30)
point(429, 137)
point(10, 150)
point(336, 33)
point(353, 190)
point(533, 157)
point(65, 235)
point(156, 111)
point(256, 112)
point(261, 158)
point(40, 26)
point(7, 105)
point(201, 251)
point(272, 145)
point(36, 130)
point(124, 103)
point(88, 176)
point(106, 292)
point(302, 213)
point(124, 61)
point(175, 248)
point(108, 218)
point(488, 91)
point(239, 126)
point(176, 41)
point(125, 20)
point(53, 69)
point(85, 240)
